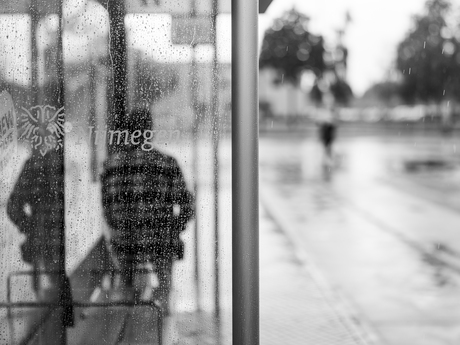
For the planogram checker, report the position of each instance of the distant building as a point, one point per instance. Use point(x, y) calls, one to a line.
point(285, 99)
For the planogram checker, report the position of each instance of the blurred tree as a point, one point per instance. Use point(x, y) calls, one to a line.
point(429, 57)
point(334, 83)
point(341, 91)
point(316, 95)
point(385, 93)
point(290, 48)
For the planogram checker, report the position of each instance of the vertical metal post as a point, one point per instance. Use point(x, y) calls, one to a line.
point(245, 200)
point(196, 182)
point(92, 117)
point(196, 123)
point(65, 295)
point(34, 18)
point(215, 151)
point(118, 54)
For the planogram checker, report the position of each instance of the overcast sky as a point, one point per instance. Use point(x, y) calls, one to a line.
point(377, 27)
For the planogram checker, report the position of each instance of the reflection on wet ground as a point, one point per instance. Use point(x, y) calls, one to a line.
point(386, 236)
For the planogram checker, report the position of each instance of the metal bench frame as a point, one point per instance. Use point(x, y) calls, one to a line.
point(9, 305)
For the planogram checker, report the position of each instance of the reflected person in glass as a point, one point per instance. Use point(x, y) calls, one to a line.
point(35, 206)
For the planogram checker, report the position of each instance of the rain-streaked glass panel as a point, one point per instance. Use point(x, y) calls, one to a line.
point(115, 168)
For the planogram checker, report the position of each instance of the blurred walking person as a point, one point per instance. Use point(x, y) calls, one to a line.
point(327, 132)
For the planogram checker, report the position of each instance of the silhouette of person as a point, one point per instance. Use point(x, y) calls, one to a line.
point(327, 136)
point(35, 207)
point(327, 131)
point(146, 203)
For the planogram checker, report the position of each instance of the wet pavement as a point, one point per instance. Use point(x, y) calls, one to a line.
point(384, 235)
point(297, 305)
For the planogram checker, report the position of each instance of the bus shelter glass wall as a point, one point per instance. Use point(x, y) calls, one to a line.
point(76, 253)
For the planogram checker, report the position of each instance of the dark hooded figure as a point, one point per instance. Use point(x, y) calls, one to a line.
point(146, 203)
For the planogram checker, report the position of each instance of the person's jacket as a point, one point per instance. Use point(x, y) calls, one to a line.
point(35, 206)
point(145, 200)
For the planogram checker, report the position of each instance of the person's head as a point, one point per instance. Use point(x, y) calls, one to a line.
point(139, 119)
point(136, 131)
point(45, 128)
point(44, 144)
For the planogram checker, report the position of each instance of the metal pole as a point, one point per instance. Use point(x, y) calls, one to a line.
point(195, 192)
point(34, 18)
point(92, 117)
point(118, 55)
point(196, 123)
point(65, 294)
point(245, 200)
point(215, 149)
